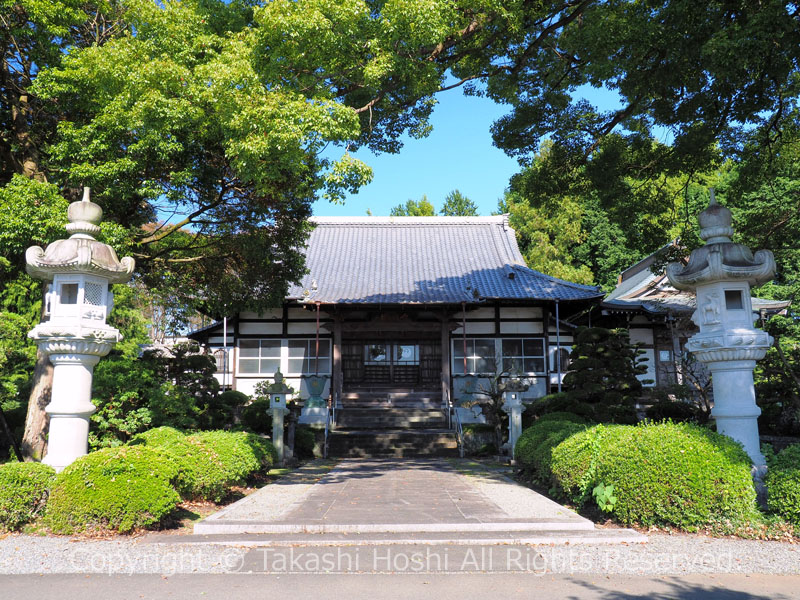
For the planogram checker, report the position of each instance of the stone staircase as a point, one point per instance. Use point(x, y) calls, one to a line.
point(391, 423)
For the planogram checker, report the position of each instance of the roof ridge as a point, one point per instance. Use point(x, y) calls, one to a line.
point(432, 220)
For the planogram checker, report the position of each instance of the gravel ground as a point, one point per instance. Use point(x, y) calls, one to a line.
point(664, 554)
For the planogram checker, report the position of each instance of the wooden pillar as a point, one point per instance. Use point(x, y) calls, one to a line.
point(446, 360)
point(336, 384)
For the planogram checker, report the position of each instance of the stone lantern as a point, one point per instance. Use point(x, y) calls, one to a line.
point(74, 333)
point(721, 273)
point(277, 404)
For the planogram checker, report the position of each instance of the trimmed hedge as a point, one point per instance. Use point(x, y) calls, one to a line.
point(783, 485)
point(122, 488)
point(240, 454)
point(666, 473)
point(668, 410)
point(256, 417)
point(201, 475)
point(210, 462)
point(23, 492)
point(535, 445)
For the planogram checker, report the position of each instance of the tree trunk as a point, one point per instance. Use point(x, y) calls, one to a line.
point(34, 441)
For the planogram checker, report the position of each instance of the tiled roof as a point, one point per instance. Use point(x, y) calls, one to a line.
point(415, 260)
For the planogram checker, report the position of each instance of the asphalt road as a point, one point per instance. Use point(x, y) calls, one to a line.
point(412, 587)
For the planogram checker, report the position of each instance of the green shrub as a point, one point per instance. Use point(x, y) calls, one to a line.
point(201, 474)
point(788, 458)
point(240, 454)
point(256, 417)
point(159, 436)
point(667, 410)
point(783, 485)
point(304, 442)
point(666, 473)
point(562, 416)
point(122, 489)
point(535, 445)
point(23, 492)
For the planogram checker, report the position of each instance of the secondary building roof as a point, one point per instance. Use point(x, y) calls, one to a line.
point(642, 290)
point(421, 260)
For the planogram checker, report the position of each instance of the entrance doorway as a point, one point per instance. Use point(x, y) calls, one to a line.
point(413, 364)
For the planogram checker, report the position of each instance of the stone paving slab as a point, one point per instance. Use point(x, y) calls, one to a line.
point(403, 496)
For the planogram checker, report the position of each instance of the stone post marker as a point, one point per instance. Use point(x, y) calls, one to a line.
point(513, 407)
point(722, 272)
point(277, 396)
point(74, 333)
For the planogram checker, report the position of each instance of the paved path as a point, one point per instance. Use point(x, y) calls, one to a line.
point(403, 496)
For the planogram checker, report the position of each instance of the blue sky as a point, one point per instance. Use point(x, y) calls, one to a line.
point(458, 154)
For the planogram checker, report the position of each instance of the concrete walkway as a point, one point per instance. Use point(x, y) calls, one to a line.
point(402, 501)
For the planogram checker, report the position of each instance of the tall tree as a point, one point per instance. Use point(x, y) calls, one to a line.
point(589, 222)
point(414, 208)
point(457, 204)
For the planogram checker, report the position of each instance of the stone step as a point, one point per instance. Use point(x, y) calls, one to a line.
point(390, 418)
point(399, 443)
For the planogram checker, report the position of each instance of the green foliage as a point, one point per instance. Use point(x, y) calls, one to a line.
point(257, 418)
point(240, 454)
point(23, 492)
point(210, 462)
point(304, 442)
point(533, 451)
point(589, 222)
point(200, 472)
point(604, 497)
point(601, 383)
point(457, 204)
point(178, 390)
point(667, 473)
point(668, 410)
point(414, 208)
point(783, 484)
point(120, 489)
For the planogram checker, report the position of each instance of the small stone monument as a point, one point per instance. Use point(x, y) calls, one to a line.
point(513, 407)
point(721, 273)
point(277, 398)
point(74, 333)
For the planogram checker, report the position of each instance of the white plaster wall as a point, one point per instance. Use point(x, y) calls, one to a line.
point(261, 328)
point(521, 327)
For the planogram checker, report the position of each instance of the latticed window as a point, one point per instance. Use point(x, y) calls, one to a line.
point(93, 293)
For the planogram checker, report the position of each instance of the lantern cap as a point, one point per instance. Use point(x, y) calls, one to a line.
point(81, 253)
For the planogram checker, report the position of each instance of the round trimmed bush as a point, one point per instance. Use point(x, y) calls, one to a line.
point(201, 475)
point(122, 489)
point(783, 485)
point(240, 454)
point(666, 473)
point(533, 451)
point(23, 492)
